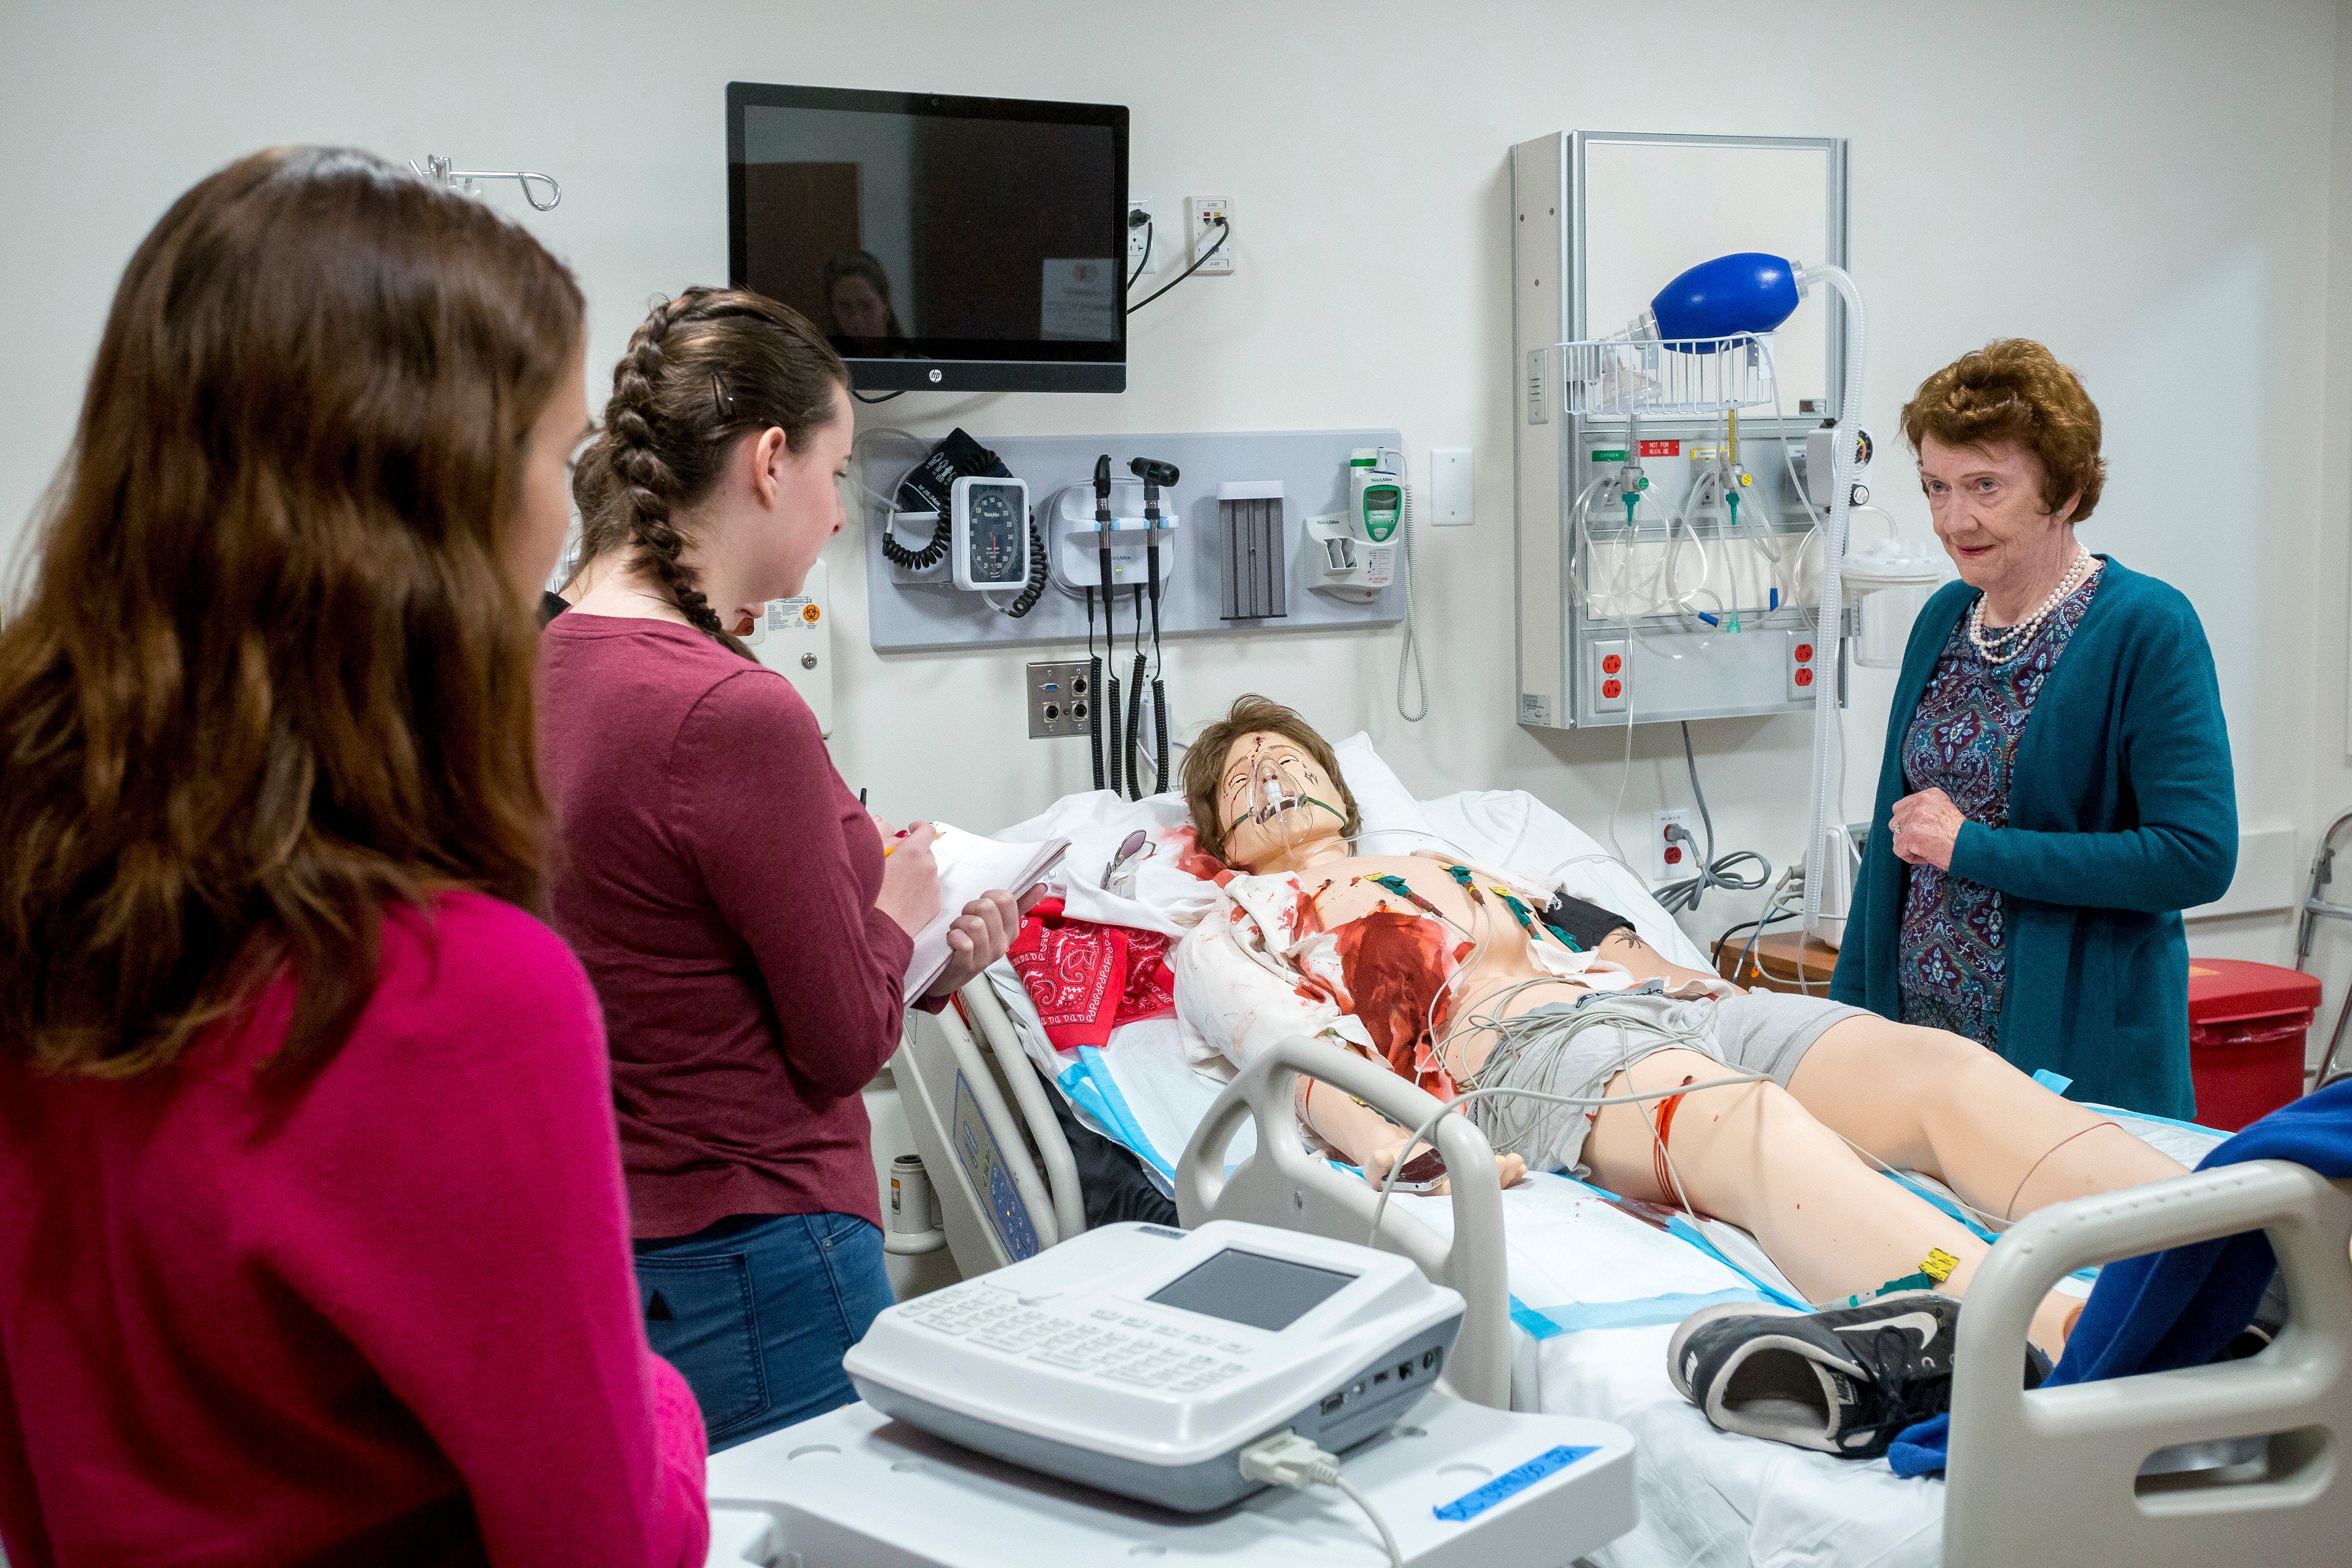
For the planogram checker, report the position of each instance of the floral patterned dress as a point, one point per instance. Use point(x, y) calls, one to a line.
point(1962, 740)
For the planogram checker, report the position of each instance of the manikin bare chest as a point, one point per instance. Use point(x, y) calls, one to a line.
point(1409, 929)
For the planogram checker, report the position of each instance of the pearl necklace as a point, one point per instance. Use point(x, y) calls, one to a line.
point(2004, 646)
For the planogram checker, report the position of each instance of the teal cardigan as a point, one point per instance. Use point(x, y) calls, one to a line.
point(2122, 812)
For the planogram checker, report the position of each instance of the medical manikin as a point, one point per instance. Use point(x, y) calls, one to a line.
point(1447, 971)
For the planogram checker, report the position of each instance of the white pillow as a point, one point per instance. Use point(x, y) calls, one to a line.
point(1394, 821)
point(1510, 829)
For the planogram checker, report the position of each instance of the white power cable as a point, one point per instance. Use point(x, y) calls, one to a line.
point(1388, 1541)
point(1288, 1459)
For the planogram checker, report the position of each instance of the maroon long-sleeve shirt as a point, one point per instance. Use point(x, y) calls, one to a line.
point(717, 880)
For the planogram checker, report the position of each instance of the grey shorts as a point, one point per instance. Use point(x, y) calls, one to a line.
point(1765, 1032)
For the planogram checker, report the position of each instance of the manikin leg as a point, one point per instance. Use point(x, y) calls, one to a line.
point(1928, 1100)
point(1751, 1154)
point(1925, 1099)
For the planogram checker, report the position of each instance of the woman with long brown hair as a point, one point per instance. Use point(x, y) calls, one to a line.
point(747, 926)
point(313, 1243)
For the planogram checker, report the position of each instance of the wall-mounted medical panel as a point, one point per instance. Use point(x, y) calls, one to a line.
point(1700, 590)
point(921, 610)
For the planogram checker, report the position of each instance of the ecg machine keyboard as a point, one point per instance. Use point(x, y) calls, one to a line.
point(1109, 1344)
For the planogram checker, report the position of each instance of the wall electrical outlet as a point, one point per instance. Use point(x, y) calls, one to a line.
point(1059, 700)
point(1142, 261)
point(1201, 222)
point(1671, 861)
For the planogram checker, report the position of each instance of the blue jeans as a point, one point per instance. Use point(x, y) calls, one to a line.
point(756, 1312)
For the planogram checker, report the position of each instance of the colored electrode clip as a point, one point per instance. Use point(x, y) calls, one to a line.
point(1521, 912)
point(1403, 889)
point(1462, 874)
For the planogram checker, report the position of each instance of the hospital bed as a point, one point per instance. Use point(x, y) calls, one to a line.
point(1569, 1300)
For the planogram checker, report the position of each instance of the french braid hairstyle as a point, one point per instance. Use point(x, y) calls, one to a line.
point(702, 370)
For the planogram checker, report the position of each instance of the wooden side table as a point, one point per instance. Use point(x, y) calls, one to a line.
point(1781, 960)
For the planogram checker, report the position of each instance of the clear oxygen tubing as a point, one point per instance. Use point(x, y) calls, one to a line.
point(1829, 631)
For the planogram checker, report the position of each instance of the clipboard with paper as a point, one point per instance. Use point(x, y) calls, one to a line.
point(969, 866)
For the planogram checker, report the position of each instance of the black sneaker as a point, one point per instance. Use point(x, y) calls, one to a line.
point(1842, 1381)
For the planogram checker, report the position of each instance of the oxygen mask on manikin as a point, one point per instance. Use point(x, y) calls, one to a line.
point(1275, 802)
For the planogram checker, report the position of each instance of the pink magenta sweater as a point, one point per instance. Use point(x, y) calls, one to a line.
point(386, 1317)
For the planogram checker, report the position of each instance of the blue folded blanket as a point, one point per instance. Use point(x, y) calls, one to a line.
point(2179, 1308)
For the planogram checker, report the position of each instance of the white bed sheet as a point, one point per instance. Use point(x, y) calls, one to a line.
point(1594, 1293)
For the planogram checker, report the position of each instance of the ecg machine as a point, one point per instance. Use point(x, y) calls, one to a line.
point(1142, 1359)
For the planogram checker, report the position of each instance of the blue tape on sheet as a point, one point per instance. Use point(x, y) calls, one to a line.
point(1938, 1201)
point(1682, 1227)
point(1683, 1230)
point(1534, 1322)
point(2055, 1082)
point(1091, 1088)
point(1470, 1505)
point(1641, 1312)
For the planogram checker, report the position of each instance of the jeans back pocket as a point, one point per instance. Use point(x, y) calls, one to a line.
point(701, 1318)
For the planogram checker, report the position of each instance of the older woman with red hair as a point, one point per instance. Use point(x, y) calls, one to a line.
point(2056, 786)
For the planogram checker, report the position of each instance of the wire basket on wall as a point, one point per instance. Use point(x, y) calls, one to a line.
point(1617, 377)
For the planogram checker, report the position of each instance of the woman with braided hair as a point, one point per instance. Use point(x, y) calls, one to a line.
point(747, 924)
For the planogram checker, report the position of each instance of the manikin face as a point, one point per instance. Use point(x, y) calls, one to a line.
point(1274, 800)
point(859, 307)
point(800, 494)
point(1988, 511)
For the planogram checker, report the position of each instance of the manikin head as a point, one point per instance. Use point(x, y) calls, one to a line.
point(1265, 790)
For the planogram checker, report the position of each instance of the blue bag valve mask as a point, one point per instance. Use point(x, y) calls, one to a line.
point(1747, 292)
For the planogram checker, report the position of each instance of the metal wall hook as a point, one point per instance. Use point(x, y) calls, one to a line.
point(440, 172)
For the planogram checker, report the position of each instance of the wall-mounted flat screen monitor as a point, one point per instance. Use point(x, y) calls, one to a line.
point(955, 243)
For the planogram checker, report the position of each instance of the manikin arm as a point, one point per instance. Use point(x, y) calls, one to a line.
point(1622, 947)
point(1359, 1133)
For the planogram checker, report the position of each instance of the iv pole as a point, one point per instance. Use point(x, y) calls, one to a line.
point(440, 172)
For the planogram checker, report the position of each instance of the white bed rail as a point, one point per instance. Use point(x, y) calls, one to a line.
point(986, 1009)
point(2052, 1476)
point(938, 1053)
point(1283, 1185)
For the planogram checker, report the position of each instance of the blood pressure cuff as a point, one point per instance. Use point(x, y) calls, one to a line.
point(931, 486)
point(1582, 926)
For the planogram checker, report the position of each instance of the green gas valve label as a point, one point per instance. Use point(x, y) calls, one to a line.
point(1616, 455)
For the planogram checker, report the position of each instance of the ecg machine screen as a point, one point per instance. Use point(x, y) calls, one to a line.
point(1269, 1293)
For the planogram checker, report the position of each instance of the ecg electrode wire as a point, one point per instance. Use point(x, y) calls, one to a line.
point(1642, 1099)
point(1593, 1103)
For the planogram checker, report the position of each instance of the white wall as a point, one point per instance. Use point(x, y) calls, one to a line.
point(2163, 200)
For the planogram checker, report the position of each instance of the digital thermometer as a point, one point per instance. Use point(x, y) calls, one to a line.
point(989, 523)
point(1142, 1359)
